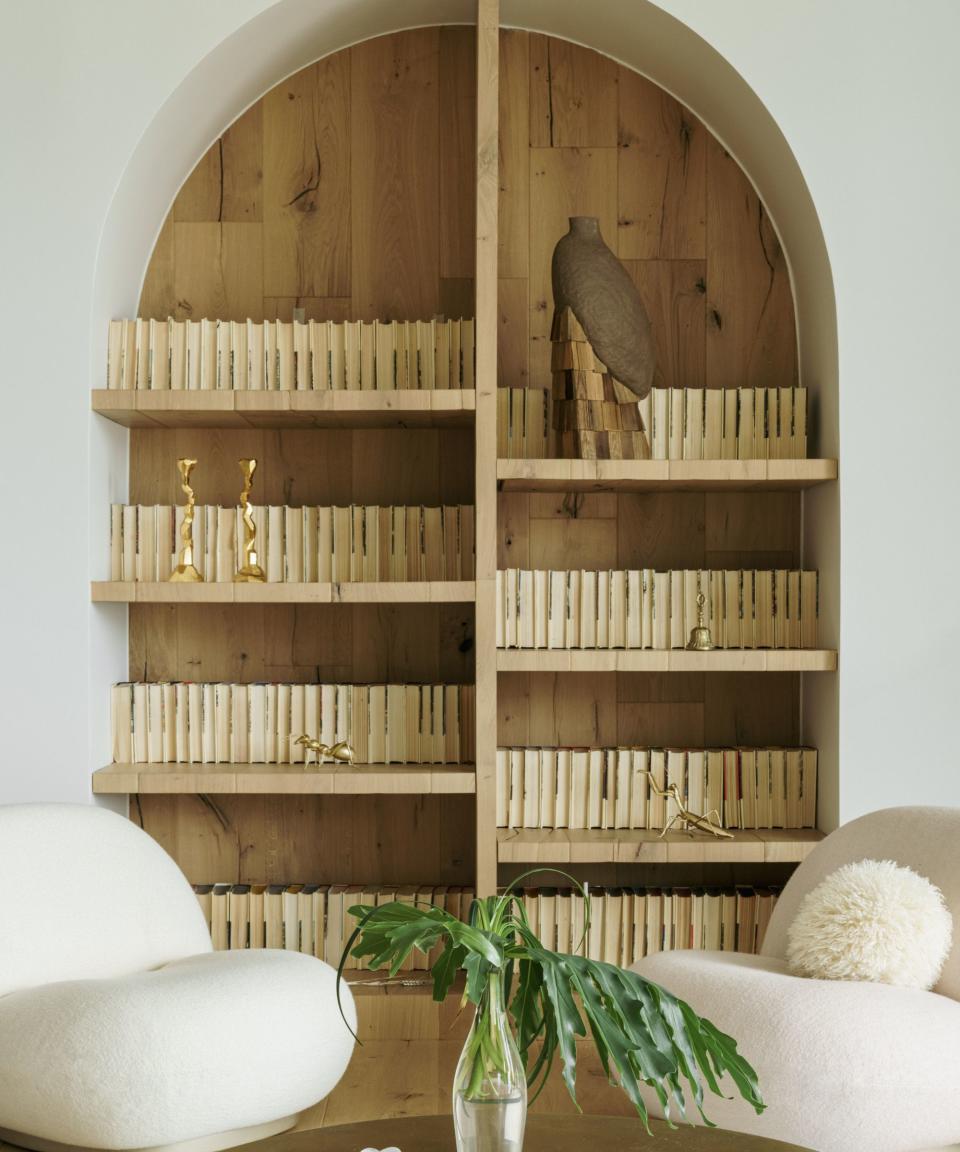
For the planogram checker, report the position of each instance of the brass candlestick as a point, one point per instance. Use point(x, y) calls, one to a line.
point(185, 572)
point(251, 572)
point(700, 638)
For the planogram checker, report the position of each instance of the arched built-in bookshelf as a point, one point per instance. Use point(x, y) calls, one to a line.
point(352, 190)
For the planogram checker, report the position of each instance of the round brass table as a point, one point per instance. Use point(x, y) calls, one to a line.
point(543, 1134)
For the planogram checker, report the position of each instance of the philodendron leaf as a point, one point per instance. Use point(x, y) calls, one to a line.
point(559, 1001)
point(446, 968)
point(630, 1017)
point(643, 1034)
point(525, 1005)
point(725, 1057)
point(612, 1041)
point(477, 968)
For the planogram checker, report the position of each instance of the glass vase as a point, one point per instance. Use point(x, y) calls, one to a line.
point(490, 1085)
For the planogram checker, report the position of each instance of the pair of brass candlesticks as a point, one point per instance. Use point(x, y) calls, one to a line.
point(186, 571)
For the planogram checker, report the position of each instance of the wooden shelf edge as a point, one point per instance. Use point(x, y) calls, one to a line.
point(414, 983)
point(670, 660)
point(575, 846)
point(222, 592)
point(177, 409)
point(285, 779)
point(640, 475)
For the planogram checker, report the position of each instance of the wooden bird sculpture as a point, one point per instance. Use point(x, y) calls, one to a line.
point(590, 280)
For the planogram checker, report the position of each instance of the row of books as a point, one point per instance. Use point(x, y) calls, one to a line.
point(194, 723)
point(681, 423)
point(641, 608)
point(611, 788)
point(523, 423)
point(627, 924)
point(313, 918)
point(726, 423)
point(308, 544)
point(274, 355)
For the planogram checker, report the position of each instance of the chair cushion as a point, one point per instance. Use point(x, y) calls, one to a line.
point(844, 1066)
point(73, 880)
point(203, 1045)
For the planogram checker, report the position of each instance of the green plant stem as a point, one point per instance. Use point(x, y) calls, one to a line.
point(488, 1061)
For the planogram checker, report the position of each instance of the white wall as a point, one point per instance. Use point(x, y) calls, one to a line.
point(866, 95)
point(78, 85)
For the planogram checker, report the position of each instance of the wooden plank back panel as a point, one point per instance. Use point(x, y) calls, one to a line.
point(573, 95)
point(306, 466)
point(302, 643)
point(306, 164)
point(648, 709)
point(396, 185)
point(346, 190)
point(314, 839)
point(751, 335)
point(458, 137)
point(661, 174)
point(227, 183)
point(658, 530)
point(513, 248)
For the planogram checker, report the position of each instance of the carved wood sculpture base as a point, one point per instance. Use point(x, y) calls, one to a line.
point(595, 416)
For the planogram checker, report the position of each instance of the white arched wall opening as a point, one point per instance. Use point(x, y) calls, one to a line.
point(290, 34)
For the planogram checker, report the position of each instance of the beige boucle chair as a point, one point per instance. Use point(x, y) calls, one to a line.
point(845, 1066)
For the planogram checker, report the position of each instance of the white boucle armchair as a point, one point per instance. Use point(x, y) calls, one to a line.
point(120, 1027)
point(844, 1066)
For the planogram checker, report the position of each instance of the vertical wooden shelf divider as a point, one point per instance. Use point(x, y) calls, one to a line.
point(485, 490)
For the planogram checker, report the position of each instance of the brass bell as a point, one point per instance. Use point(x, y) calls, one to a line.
point(700, 638)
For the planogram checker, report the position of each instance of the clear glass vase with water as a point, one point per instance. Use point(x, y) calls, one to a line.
point(490, 1086)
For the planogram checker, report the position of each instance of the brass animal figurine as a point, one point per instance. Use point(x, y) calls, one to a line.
point(341, 752)
point(690, 822)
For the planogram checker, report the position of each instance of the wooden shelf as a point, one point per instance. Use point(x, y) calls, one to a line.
point(402, 409)
point(221, 592)
point(674, 660)
point(289, 779)
point(417, 983)
point(574, 846)
point(657, 475)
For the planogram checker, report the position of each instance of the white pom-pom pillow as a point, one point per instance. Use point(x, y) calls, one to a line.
point(873, 920)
